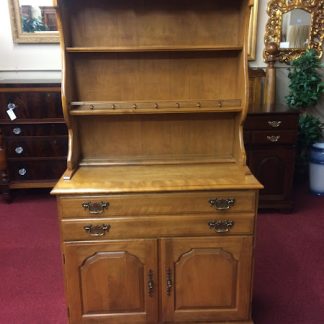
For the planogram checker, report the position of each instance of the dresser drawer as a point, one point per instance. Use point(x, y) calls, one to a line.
point(40, 146)
point(158, 204)
point(26, 170)
point(31, 104)
point(273, 137)
point(145, 226)
point(271, 121)
point(18, 130)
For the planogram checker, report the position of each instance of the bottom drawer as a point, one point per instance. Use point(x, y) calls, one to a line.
point(159, 226)
point(24, 170)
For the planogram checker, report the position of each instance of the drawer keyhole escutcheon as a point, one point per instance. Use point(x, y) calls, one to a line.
point(95, 207)
point(221, 226)
point(222, 204)
point(97, 230)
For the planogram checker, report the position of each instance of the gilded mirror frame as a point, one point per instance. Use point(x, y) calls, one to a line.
point(252, 31)
point(19, 36)
point(275, 11)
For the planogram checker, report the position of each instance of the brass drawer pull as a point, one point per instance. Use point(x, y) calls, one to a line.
point(169, 284)
point(274, 123)
point(222, 204)
point(273, 138)
point(97, 230)
point(95, 207)
point(221, 226)
point(150, 283)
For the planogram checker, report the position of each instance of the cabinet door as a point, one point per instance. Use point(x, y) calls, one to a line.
point(111, 282)
point(206, 279)
point(274, 168)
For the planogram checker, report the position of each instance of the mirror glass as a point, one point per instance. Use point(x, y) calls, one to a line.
point(295, 29)
point(33, 21)
point(37, 16)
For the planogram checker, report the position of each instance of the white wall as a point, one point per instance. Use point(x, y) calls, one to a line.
point(25, 60)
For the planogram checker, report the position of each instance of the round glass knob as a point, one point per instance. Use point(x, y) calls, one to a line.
point(17, 130)
point(19, 150)
point(11, 105)
point(22, 171)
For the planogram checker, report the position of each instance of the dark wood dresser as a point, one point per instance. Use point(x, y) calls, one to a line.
point(34, 141)
point(270, 140)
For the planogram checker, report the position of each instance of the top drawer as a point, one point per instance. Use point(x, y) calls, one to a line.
point(28, 105)
point(272, 121)
point(44, 129)
point(157, 204)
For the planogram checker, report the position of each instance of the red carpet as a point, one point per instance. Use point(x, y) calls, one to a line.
point(289, 265)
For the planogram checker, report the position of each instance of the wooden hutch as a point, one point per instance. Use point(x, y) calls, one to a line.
point(157, 206)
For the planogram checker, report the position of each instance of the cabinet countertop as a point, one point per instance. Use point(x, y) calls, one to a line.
point(152, 178)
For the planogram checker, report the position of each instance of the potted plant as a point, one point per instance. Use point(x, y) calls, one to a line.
point(305, 90)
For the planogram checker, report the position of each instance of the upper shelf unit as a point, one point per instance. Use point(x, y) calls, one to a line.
point(144, 25)
point(156, 81)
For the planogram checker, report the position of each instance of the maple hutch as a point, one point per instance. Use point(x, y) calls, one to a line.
point(157, 206)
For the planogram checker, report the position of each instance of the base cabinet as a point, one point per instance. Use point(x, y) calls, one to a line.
point(276, 170)
point(184, 280)
point(271, 140)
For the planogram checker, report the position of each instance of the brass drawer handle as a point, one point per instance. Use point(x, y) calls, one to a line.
point(221, 226)
point(97, 230)
point(273, 138)
point(169, 284)
point(274, 123)
point(95, 207)
point(150, 283)
point(222, 204)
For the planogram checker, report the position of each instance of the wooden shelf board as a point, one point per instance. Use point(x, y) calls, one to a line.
point(157, 178)
point(130, 49)
point(142, 107)
point(158, 160)
point(100, 112)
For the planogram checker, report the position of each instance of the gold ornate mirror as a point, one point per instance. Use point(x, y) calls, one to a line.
point(294, 26)
point(33, 21)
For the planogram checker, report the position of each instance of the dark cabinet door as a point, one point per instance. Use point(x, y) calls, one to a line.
point(274, 168)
